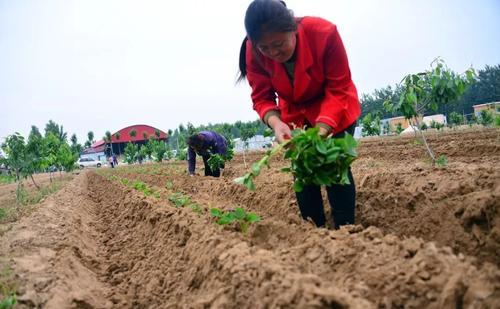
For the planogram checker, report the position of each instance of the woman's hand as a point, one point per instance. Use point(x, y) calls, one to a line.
point(281, 130)
point(323, 132)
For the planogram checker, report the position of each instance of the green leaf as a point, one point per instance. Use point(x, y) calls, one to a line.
point(321, 148)
point(255, 169)
point(226, 218)
point(240, 213)
point(240, 180)
point(251, 217)
point(215, 212)
point(298, 186)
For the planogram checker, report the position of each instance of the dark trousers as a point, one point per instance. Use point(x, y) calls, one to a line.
point(208, 170)
point(342, 199)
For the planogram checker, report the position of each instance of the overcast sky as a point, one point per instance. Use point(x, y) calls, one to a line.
point(103, 65)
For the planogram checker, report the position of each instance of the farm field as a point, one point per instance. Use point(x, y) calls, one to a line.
point(142, 236)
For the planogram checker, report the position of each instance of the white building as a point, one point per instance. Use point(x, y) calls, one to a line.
point(439, 118)
point(255, 143)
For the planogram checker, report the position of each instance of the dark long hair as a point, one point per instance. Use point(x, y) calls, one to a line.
point(264, 16)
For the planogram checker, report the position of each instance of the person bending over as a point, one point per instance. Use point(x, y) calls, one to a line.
point(205, 144)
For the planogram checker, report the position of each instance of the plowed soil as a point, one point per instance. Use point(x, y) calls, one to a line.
point(426, 237)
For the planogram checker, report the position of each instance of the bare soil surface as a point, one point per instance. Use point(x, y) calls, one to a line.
point(427, 237)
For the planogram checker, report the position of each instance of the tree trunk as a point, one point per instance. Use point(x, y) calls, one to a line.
point(18, 189)
point(34, 183)
point(431, 154)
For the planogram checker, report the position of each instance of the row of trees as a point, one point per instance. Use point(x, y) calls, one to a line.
point(245, 130)
point(486, 89)
point(371, 124)
point(39, 153)
point(154, 149)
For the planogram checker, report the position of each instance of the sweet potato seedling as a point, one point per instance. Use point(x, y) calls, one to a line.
point(169, 185)
point(179, 199)
point(216, 162)
point(314, 159)
point(239, 215)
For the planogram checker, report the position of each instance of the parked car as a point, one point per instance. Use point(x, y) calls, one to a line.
point(88, 162)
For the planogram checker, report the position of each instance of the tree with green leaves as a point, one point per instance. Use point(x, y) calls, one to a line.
point(130, 153)
point(142, 154)
point(429, 90)
point(157, 133)
point(436, 125)
point(90, 139)
point(456, 119)
point(36, 147)
point(66, 159)
point(486, 118)
point(52, 145)
point(133, 133)
point(370, 125)
point(58, 131)
point(17, 159)
point(76, 148)
point(108, 140)
point(158, 149)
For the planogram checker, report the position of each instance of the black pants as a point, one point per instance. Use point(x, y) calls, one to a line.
point(342, 199)
point(208, 170)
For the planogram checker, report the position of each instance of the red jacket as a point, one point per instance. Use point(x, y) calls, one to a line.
point(323, 91)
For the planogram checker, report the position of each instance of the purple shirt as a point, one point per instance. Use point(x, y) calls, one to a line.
point(213, 143)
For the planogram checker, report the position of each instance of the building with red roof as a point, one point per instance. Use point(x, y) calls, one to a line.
point(137, 134)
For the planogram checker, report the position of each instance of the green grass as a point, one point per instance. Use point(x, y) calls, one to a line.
point(7, 287)
point(6, 179)
point(35, 196)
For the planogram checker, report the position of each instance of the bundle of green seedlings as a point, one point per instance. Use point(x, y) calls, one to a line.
point(239, 215)
point(217, 161)
point(315, 160)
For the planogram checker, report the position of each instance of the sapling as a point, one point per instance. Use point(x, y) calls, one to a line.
point(239, 215)
point(429, 90)
point(314, 159)
point(442, 161)
point(399, 128)
point(179, 199)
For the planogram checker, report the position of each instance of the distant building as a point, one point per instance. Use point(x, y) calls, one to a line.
point(95, 151)
point(255, 143)
point(119, 140)
point(393, 122)
point(439, 118)
point(494, 107)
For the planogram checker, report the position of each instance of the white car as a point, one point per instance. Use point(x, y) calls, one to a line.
point(88, 162)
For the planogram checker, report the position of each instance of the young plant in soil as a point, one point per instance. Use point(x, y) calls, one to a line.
point(429, 90)
point(179, 199)
point(196, 208)
point(314, 159)
point(144, 188)
point(169, 185)
point(238, 215)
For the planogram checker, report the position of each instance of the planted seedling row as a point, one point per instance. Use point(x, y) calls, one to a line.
point(237, 217)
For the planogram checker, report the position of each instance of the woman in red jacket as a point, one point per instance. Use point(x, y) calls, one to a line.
point(299, 75)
